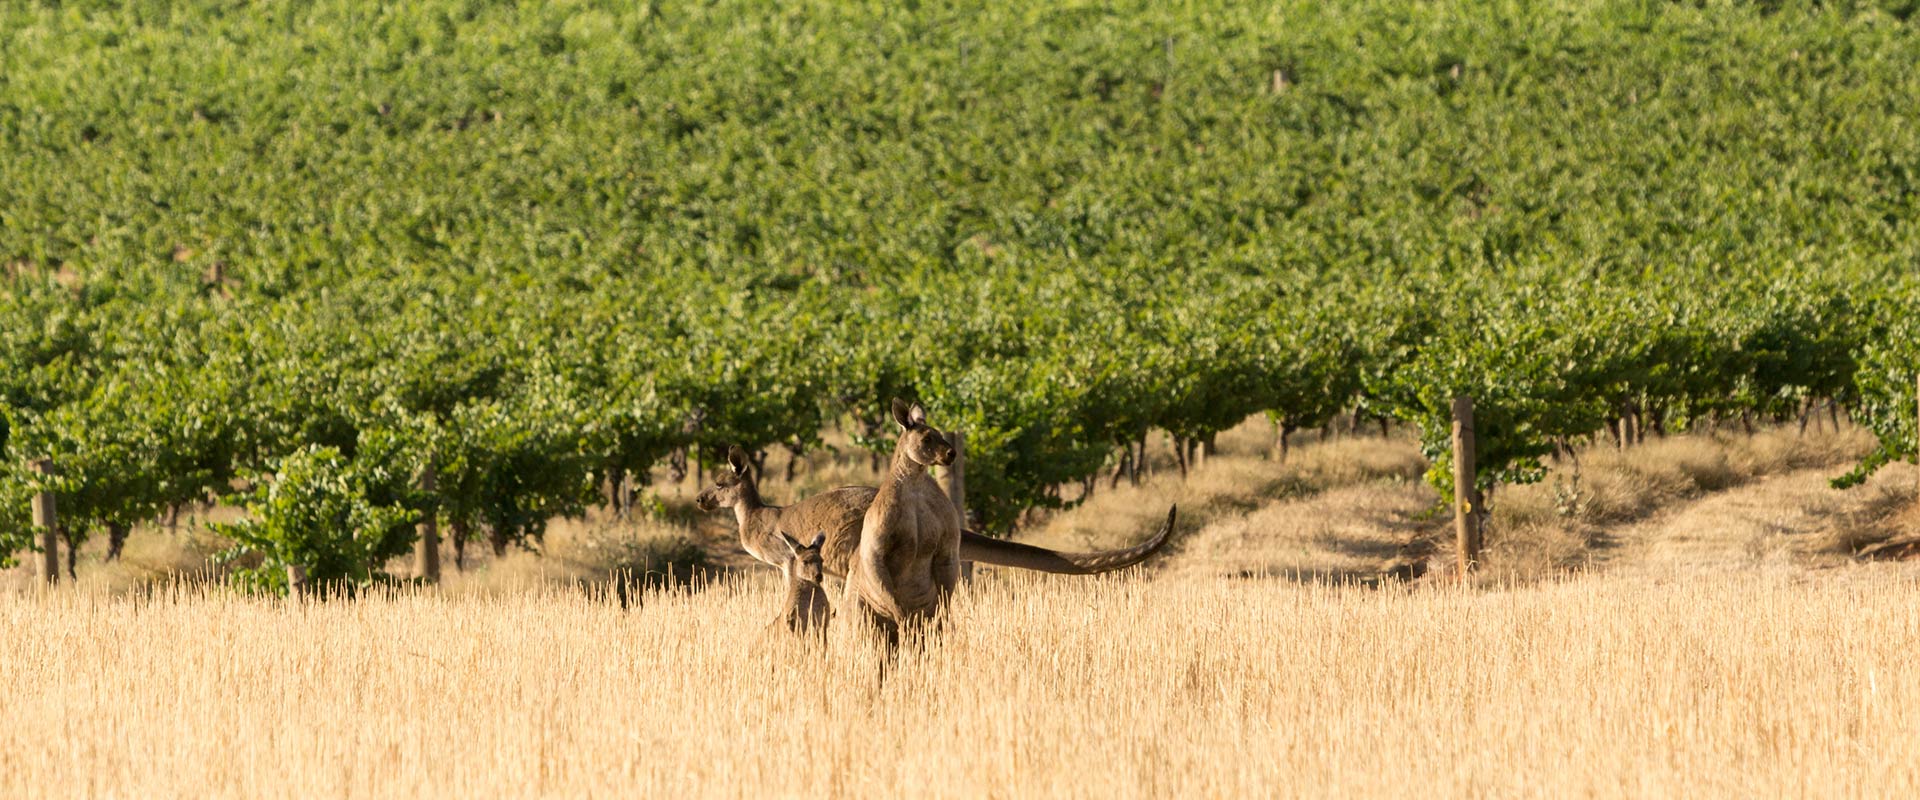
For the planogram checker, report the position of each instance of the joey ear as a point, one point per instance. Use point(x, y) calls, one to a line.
point(792, 543)
point(737, 458)
point(902, 415)
point(818, 540)
point(917, 415)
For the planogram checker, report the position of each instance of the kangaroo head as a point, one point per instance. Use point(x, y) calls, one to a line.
point(918, 440)
point(805, 565)
point(730, 486)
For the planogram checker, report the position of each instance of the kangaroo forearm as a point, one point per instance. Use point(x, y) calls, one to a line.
point(984, 550)
point(884, 589)
point(946, 574)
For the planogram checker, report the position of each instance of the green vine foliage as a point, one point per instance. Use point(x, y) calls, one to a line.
point(339, 520)
point(1886, 383)
point(540, 247)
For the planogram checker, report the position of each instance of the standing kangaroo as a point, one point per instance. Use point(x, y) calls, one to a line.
point(840, 513)
point(807, 610)
point(909, 556)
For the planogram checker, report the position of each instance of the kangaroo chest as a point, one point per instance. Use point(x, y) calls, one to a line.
point(918, 519)
point(808, 605)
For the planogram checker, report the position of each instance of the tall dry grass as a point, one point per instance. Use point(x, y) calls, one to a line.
point(1743, 685)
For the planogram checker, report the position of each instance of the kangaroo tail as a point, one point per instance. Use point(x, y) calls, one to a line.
point(984, 550)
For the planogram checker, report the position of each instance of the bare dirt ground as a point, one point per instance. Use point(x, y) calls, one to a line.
point(1790, 520)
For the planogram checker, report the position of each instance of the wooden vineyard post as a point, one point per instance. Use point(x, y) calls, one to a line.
point(426, 550)
point(957, 474)
point(44, 520)
point(957, 488)
point(1466, 528)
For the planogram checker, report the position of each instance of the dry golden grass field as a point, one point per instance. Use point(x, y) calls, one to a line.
point(1688, 620)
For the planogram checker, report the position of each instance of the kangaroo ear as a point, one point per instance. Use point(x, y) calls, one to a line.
point(737, 458)
point(818, 539)
point(917, 415)
point(792, 544)
point(902, 415)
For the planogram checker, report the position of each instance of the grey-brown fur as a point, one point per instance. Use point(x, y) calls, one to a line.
point(909, 557)
point(807, 609)
point(839, 512)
